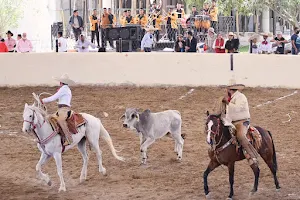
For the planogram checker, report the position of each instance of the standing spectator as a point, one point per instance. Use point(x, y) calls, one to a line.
point(24, 45)
point(219, 44)
point(77, 24)
point(180, 44)
point(123, 19)
point(112, 24)
point(192, 19)
point(3, 47)
point(209, 42)
point(95, 27)
point(147, 41)
point(83, 44)
point(19, 37)
point(191, 43)
point(279, 42)
point(295, 41)
point(10, 42)
point(180, 14)
point(213, 13)
point(230, 44)
point(62, 43)
point(265, 46)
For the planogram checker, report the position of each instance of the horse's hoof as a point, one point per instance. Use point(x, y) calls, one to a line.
point(252, 192)
point(49, 183)
point(278, 190)
point(208, 196)
point(62, 189)
point(228, 198)
point(103, 171)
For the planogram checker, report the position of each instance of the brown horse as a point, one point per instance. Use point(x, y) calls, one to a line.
point(225, 152)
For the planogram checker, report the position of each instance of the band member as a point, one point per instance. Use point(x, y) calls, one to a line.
point(192, 19)
point(172, 27)
point(112, 19)
point(213, 13)
point(205, 10)
point(105, 23)
point(142, 20)
point(123, 19)
point(157, 20)
point(94, 21)
point(129, 18)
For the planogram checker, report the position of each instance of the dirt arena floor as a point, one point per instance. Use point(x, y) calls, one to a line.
point(163, 177)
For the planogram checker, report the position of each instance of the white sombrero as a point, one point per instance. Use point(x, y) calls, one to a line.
point(151, 28)
point(234, 86)
point(64, 79)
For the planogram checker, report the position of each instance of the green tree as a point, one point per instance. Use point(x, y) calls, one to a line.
point(10, 13)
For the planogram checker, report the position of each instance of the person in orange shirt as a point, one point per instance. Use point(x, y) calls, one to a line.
point(3, 47)
point(94, 21)
point(156, 22)
point(213, 13)
point(142, 20)
point(105, 23)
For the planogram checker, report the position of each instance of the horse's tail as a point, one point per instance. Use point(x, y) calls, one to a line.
point(274, 153)
point(105, 135)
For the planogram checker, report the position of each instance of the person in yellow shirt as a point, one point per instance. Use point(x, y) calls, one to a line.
point(142, 20)
point(129, 18)
point(213, 13)
point(156, 22)
point(172, 27)
point(123, 19)
point(95, 22)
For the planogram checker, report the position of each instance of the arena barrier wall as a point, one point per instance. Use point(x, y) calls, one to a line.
point(150, 69)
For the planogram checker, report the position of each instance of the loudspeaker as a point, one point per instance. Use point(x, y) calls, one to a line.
point(125, 46)
point(125, 33)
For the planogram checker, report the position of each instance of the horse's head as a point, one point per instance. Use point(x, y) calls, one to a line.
point(29, 119)
point(213, 124)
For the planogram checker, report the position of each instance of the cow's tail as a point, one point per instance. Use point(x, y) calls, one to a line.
point(274, 154)
point(105, 135)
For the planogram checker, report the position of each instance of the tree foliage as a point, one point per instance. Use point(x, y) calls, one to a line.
point(10, 13)
point(287, 9)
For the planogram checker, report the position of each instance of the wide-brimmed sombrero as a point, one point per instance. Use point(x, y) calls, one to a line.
point(234, 86)
point(64, 79)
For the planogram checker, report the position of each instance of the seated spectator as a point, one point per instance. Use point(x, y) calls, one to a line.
point(230, 43)
point(279, 42)
point(83, 44)
point(253, 48)
point(3, 47)
point(24, 45)
point(191, 43)
point(211, 37)
point(219, 44)
point(180, 44)
point(265, 46)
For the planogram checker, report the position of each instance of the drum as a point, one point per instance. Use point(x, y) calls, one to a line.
point(197, 24)
point(205, 24)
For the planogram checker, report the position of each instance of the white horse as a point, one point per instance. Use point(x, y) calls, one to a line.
point(49, 142)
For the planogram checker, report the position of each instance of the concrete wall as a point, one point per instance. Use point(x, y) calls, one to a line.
point(150, 69)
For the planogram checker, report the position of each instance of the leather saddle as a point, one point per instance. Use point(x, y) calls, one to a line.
point(75, 121)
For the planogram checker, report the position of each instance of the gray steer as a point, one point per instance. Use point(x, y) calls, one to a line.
point(152, 126)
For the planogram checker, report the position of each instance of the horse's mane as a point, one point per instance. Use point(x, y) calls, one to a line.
point(39, 110)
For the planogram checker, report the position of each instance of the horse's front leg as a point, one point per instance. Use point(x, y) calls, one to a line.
point(231, 179)
point(58, 161)
point(213, 164)
point(256, 172)
point(43, 159)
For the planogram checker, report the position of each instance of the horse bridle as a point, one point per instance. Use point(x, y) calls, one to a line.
point(32, 122)
point(215, 133)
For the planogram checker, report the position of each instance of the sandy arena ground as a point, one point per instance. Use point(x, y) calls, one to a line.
point(163, 177)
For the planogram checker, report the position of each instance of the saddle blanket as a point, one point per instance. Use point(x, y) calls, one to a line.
point(75, 121)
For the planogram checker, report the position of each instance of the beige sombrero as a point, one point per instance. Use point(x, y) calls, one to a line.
point(64, 79)
point(234, 86)
point(151, 28)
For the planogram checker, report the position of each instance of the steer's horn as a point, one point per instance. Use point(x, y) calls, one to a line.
point(122, 117)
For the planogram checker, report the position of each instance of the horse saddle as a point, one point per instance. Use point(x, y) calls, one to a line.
point(75, 121)
point(253, 136)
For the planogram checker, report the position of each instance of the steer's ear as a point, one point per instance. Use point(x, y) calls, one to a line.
point(123, 116)
point(207, 113)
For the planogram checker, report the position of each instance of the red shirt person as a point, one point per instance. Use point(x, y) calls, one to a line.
point(3, 47)
point(219, 44)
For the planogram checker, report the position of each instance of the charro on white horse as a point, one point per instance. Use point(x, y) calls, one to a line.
point(50, 145)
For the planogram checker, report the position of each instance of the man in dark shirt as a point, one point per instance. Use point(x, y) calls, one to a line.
point(294, 39)
point(280, 42)
point(191, 43)
point(230, 43)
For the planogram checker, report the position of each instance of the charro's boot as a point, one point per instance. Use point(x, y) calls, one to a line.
point(66, 132)
point(248, 150)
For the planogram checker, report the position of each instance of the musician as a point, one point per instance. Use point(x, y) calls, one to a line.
point(153, 8)
point(142, 20)
point(112, 19)
point(192, 18)
point(213, 13)
point(172, 27)
point(123, 19)
point(205, 10)
point(129, 18)
point(156, 22)
point(105, 23)
point(94, 21)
